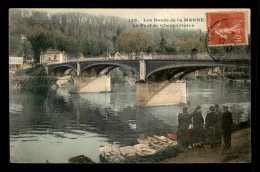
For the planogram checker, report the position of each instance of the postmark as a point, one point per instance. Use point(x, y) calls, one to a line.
point(227, 28)
point(227, 34)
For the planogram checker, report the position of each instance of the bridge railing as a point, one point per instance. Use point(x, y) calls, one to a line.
point(154, 56)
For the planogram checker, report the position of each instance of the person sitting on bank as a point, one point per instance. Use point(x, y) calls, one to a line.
point(184, 121)
point(198, 127)
point(218, 133)
point(210, 126)
point(226, 122)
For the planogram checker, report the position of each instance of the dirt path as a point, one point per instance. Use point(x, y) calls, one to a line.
point(240, 151)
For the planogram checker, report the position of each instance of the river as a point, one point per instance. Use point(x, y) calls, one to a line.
point(55, 124)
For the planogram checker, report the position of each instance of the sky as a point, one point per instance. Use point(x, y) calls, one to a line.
point(141, 14)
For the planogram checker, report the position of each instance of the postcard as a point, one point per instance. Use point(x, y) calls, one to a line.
point(97, 86)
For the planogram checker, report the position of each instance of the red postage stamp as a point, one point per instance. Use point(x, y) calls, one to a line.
point(227, 28)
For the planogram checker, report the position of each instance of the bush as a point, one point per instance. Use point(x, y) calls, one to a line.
point(38, 70)
point(20, 72)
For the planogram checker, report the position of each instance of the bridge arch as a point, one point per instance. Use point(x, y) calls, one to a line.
point(112, 65)
point(110, 69)
point(193, 67)
point(188, 71)
point(51, 68)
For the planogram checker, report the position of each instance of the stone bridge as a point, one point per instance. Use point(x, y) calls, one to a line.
point(145, 68)
point(147, 94)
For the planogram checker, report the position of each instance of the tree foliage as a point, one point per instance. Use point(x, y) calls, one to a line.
point(166, 48)
point(136, 41)
point(14, 45)
point(187, 43)
point(91, 35)
point(73, 33)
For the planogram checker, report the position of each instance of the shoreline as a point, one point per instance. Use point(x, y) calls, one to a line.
point(240, 151)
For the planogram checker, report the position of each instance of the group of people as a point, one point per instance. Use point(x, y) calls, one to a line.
point(192, 131)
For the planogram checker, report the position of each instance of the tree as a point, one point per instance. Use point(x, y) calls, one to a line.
point(15, 45)
point(136, 41)
point(93, 35)
point(162, 47)
point(69, 32)
point(40, 42)
point(39, 18)
point(165, 48)
point(171, 48)
point(27, 49)
point(187, 43)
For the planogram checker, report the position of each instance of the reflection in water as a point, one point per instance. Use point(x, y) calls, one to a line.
point(55, 125)
point(99, 99)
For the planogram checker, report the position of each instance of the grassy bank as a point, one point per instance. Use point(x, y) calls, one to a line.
point(37, 70)
point(239, 152)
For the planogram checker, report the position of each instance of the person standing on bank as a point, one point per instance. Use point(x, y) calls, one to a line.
point(210, 126)
point(226, 121)
point(198, 127)
point(218, 125)
point(191, 134)
point(184, 121)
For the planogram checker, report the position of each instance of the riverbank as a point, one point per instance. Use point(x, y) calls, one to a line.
point(31, 78)
point(240, 151)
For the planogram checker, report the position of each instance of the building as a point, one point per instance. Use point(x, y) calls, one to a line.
point(116, 56)
point(15, 62)
point(113, 56)
point(53, 56)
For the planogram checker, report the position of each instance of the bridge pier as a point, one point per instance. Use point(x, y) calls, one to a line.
point(223, 72)
point(78, 68)
point(142, 70)
point(46, 69)
point(159, 94)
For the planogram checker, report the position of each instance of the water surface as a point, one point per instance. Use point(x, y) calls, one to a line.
point(55, 125)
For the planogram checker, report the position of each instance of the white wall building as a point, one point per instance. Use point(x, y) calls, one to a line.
point(53, 56)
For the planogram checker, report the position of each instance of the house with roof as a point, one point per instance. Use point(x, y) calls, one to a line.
point(53, 56)
point(113, 56)
point(116, 56)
